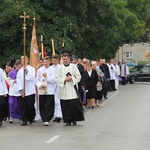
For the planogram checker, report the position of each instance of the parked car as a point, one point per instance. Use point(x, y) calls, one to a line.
point(130, 63)
point(139, 73)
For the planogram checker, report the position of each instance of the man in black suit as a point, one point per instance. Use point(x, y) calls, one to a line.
point(106, 78)
point(81, 70)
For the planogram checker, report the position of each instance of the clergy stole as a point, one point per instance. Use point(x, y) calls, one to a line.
point(125, 70)
point(6, 80)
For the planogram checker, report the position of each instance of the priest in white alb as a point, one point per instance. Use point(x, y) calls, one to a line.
point(124, 71)
point(67, 76)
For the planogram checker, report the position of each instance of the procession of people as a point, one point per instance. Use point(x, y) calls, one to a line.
point(59, 91)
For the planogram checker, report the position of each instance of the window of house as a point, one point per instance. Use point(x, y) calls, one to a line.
point(129, 55)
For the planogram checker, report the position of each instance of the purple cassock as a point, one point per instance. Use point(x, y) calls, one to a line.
point(13, 100)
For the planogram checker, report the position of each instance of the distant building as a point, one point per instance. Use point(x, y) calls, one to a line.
point(134, 53)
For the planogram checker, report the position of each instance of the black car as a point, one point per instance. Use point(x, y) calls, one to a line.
point(139, 73)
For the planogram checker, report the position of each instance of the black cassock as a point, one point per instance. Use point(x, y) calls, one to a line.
point(72, 110)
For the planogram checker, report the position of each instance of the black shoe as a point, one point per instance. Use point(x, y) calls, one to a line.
point(68, 124)
point(58, 119)
point(24, 123)
point(31, 121)
point(1, 123)
point(10, 121)
point(74, 123)
point(106, 97)
point(55, 120)
point(92, 107)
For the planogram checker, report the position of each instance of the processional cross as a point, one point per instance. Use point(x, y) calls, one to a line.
point(24, 16)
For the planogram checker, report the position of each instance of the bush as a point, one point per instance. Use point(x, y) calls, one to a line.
point(141, 62)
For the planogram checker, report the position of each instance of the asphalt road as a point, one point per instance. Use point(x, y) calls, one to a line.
point(121, 123)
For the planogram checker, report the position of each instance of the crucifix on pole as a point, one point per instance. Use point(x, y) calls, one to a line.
point(24, 16)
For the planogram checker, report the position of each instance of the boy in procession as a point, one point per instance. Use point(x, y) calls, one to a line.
point(8, 68)
point(26, 91)
point(46, 83)
point(13, 94)
point(57, 112)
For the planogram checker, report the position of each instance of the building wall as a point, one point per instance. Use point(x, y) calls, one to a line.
point(138, 50)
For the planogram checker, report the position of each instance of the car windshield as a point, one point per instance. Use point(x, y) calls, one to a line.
point(136, 68)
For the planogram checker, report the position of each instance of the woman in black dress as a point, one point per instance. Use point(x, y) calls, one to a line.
point(99, 90)
point(90, 82)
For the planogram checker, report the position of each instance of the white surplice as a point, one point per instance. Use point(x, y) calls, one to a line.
point(57, 112)
point(50, 79)
point(66, 90)
point(3, 88)
point(124, 70)
point(112, 71)
point(29, 80)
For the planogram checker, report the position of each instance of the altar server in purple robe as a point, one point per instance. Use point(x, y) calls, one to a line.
point(13, 94)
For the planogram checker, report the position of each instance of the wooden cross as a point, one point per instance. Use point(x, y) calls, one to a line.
point(24, 16)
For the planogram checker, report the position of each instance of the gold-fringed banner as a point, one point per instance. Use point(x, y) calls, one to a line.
point(34, 50)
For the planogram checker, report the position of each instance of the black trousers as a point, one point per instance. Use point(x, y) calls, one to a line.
point(6, 107)
point(105, 88)
point(81, 93)
point(46, 104)
point(123, 82)
point(2, 110)
point(112, 85)
point(27, 108)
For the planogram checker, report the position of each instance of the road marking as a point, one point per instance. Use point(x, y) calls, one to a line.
point(53, 139)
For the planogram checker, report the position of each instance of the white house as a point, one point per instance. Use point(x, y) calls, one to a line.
point(135, 53)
